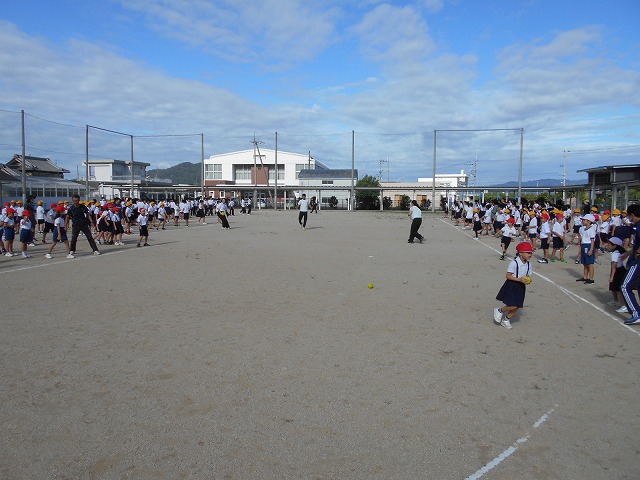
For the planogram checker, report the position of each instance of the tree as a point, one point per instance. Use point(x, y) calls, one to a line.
point(404, 203)
point(368, 199)
point(333, 202)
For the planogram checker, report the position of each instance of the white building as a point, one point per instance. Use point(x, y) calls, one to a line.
point(252, 172)
point(455, 187)
point(118, 178)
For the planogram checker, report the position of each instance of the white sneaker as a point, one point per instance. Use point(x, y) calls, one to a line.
point(71, 256)
point(8, 254)
point(96, 252)
point(32, 244)
point(24, 255)
point(506, 323)
point(497, 315)
point(48, 255)
point(622, 309)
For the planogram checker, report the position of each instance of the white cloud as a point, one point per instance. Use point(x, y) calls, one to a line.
point(396, 35)
point(271, 32)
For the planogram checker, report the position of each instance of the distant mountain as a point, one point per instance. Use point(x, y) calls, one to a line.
point(185, 172)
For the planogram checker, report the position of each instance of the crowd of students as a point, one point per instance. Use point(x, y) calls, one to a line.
point(545, 227)
point(107, 220)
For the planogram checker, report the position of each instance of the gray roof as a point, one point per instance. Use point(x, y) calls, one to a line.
point(37, 165)
point(327, 174)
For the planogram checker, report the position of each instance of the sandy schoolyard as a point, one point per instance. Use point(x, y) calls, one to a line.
point(260, 353)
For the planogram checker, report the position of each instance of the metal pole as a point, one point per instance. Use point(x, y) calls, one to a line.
point(202, 172)
point(433, 187)
point(353, 161)
point(520, 173)
point(132, 179)
point(24, 166)
point(86, 143)
point(275, 187)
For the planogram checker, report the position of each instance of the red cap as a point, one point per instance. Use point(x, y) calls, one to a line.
point(511, 220)
point(26, 213)
point(524, 247)
point(10, 211)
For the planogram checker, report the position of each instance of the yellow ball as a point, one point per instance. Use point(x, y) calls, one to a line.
point(370, 285)
point(527, 280)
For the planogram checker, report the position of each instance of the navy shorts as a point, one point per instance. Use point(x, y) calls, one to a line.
point(586, 259)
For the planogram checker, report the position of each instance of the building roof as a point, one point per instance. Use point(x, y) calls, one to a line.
point(327, 174)
point(38, 165)
point(607, 168)
point(110, 161)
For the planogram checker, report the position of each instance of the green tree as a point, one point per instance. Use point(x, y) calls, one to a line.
point(368, 199)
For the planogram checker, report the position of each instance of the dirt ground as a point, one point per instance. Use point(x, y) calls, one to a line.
point(260, 353)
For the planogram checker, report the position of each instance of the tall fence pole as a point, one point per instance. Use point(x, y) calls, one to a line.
point(24, 164)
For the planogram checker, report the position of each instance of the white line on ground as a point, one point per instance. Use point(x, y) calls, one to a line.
point(65, 260)
point(509, 451)
point(565, 290)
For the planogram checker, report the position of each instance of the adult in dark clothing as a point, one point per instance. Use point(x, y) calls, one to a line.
point(30, 207)
point(79, 215)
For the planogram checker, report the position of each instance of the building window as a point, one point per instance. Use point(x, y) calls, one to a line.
point(213, 171)
point(243, 172)
point(327, 182)
point(280, 173)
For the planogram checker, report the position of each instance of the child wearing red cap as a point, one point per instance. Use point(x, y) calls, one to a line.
point(545, 231)
point(25, 232)
point(59, 233)
point(9, 231)
point(514, 288)
point(508, 232)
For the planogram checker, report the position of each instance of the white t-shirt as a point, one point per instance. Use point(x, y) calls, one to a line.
point(415, 212)
point(39, 212)
point(509, 231)
point(518, 268)
point(303, 205)
point(545, 230)
point(533, 225)
point(558, 229)
point(587, 234)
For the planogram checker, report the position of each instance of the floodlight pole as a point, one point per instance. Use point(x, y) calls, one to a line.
point(202, 169)
point(352, 200)
point(275, 185)
point(24, 161)
point(86, 143)
point(132, 178)
point(433, 184)
point(520, 174)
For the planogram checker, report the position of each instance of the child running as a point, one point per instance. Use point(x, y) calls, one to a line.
point(59, 233)
point(514, 288)
point(508, 232)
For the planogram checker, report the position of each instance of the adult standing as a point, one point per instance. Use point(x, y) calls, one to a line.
point(303, 206)
point(79, 215)
point(632, 279)
point(416, 220)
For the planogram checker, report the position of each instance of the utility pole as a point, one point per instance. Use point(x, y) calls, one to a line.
point(380, 162)
point(564, 173)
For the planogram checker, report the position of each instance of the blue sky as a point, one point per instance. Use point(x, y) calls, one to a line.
point(566, 72)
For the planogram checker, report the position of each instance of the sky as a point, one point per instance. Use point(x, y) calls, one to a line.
point(330, 79)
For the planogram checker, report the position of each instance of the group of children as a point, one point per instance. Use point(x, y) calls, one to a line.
point(109, 220)
point(595, 233)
